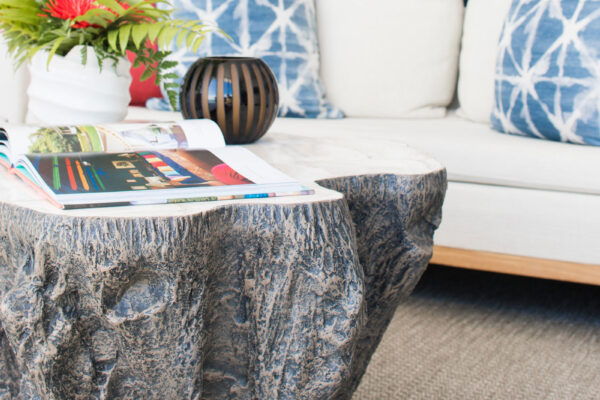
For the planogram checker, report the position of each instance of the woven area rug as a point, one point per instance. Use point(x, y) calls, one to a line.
point(476, 335)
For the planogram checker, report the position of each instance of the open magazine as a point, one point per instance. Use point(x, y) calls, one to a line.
point(173, 162)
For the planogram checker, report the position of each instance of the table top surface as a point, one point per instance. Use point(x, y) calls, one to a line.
point(303, 154)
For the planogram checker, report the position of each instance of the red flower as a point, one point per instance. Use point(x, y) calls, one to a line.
point(71, 9)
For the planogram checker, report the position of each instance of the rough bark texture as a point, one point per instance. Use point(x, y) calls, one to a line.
point(245, 301)
point(394, 218)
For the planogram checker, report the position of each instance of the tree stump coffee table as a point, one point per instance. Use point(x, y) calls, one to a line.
point(272, 298)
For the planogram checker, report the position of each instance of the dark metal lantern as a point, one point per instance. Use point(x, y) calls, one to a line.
point(239, 93)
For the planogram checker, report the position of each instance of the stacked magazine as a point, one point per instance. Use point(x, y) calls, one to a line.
point(123, 164)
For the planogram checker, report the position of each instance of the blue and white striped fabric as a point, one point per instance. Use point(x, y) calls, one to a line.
point(548, 72)
point(281, 32)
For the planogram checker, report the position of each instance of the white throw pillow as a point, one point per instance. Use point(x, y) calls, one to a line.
point(13, 102)
point(481, 31)
point(390, 58)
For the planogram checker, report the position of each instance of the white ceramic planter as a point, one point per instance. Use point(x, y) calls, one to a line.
point(68, 92)
point(13, 87)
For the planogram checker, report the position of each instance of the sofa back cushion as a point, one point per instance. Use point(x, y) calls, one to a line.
point(479, 48)
point(390, 58)
point(283, 34)
point(548, 75)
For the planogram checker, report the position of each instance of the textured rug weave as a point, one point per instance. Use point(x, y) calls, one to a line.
point(475, 335)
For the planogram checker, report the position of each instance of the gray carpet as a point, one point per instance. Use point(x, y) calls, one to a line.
point(476, 335)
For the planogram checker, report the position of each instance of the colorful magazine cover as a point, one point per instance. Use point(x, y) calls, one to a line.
point(83, 166)
point(133, 171)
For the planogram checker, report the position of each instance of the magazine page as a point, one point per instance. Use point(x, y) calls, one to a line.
point(200, 133)
point(152, 176)
point(251, 166)
point(4, 151)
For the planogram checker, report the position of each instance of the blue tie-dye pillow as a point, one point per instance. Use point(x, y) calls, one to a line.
point(281, 32)
point(548, 72)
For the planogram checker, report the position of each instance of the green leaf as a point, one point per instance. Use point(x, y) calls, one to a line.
point(168, 64)
point(148, 11)
point(197, 44)
point(166, 36)
point(181, 37)
point(113, 5)
point(22, 4)
point(84, 55)
point(146, 74)
point(189, 40)
point(138, 33)
point(96, 16)
point(224, 34)
point(97, 20)
point(112, 39)
point(53, 50)
point(161, 55)
point(154, 30)
point(13, 15)
point(189, 24)
point(124, 33)
point(172, 95)
point(31, 52)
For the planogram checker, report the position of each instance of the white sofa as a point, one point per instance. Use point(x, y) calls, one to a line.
point(514, 204)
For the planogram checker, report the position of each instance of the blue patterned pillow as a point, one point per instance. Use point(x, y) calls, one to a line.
point(281, 32)
point(548, 72)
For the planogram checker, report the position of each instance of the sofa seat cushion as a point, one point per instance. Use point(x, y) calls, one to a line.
point(474, 152)
point(471, 152)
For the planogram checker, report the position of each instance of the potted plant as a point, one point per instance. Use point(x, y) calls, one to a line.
point(60, 38)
